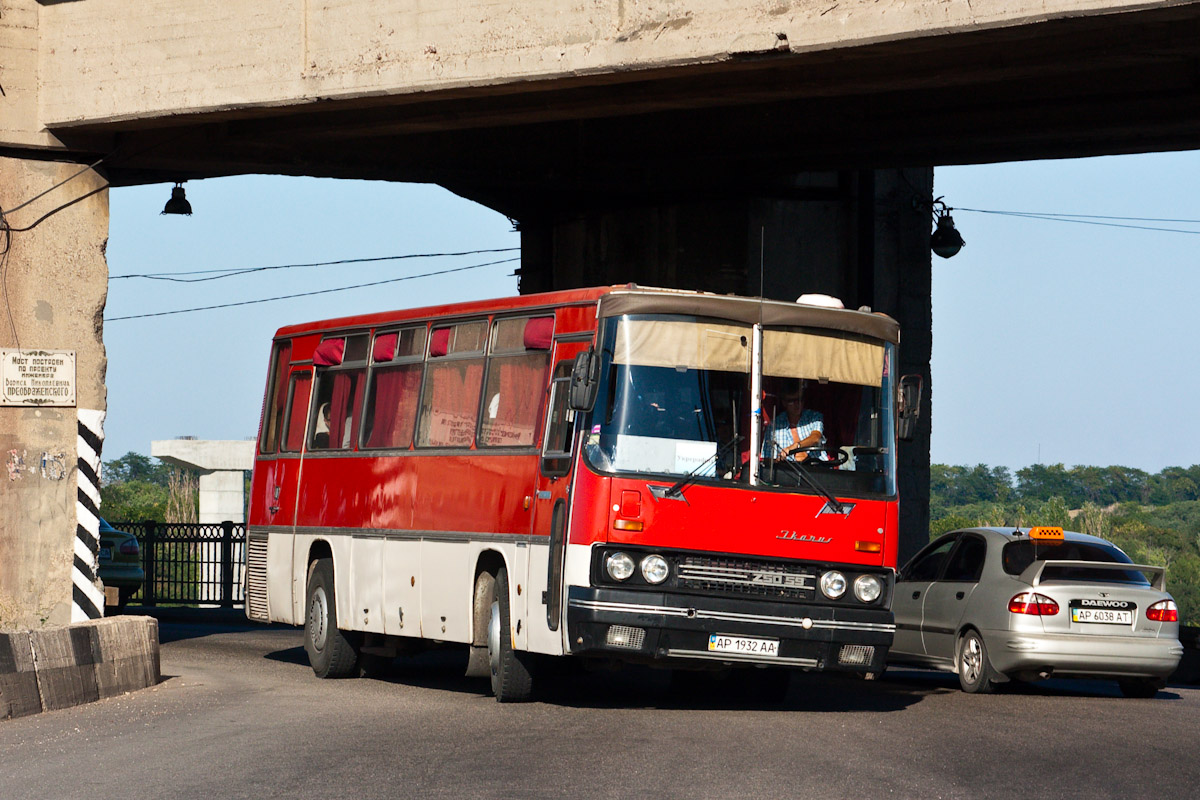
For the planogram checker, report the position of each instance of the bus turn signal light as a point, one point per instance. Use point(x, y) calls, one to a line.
point(628, 525)
point(868, 547)
point(1033, 603)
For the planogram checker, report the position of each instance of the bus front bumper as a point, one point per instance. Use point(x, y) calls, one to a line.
point(664, 627)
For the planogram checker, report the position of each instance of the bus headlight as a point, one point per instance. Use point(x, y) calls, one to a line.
point(655, 569)
point(867, 588)
point(619, 566)
point(833, 584)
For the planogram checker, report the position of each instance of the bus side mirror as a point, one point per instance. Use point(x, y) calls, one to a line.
point(909, 406)
point(585, 381)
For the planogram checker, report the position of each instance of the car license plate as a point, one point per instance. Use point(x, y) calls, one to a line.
point(743, 644)
point(106, 554)
point(1106, 616)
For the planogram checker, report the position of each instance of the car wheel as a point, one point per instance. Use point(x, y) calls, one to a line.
point(974, 669)
point(1144, 688)
point(331, 652)
point(511, 671)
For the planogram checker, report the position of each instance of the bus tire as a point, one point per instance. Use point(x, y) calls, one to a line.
point(331, 652)
point(511, 671)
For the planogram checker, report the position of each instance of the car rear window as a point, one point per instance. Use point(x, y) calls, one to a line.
point(1017, 556)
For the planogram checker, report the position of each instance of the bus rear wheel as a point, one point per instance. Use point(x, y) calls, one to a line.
point(331, 652)
point(511, 671)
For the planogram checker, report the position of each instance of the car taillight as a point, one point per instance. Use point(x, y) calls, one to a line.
point(129, 548)
point(1033, 603)
point(1163, 611)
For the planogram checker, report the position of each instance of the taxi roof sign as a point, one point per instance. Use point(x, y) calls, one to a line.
point(1046, 533)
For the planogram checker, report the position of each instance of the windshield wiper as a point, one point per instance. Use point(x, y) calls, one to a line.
point(677, 489)
point(803, 474)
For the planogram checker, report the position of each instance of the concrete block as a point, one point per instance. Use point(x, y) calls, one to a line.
point(18, 680)
point(128, 654)
point(54, 668)
point(65, 660)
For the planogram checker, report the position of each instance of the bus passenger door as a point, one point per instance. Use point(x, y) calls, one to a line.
point(551, 500)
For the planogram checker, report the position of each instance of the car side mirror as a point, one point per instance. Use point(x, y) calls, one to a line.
point(585, 381)
point(909, 406)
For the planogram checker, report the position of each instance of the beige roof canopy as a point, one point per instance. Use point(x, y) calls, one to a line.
point(747, 310)
point(716, 346)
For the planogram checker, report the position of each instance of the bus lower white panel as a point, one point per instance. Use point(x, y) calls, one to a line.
point(280, 581)
point(577, 567)
point(446, 585)
point(401, 597)
point(366, 586)
point(540, 639)
point(577, 571)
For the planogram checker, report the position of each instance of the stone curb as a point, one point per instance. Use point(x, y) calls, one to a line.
point(52, 668)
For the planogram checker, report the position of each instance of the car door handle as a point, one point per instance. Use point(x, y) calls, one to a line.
point(272, 509)
point(960, 595)
point(916, 595)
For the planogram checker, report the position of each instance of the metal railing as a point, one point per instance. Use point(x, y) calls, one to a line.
point(191, 563)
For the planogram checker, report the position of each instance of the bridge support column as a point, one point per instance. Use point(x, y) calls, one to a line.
point(55, 282)
point(853, 234)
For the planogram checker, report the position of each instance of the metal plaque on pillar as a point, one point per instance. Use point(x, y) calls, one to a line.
point(37, 377)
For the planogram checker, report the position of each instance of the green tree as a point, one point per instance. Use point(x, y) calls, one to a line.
point(133, 501)
point(135, 467)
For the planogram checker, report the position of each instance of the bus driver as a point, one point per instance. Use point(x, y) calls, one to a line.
point(796, 429)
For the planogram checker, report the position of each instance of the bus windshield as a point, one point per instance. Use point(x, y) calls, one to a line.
point(675, 400)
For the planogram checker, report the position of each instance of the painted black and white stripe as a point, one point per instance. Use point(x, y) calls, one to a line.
point(87, 601)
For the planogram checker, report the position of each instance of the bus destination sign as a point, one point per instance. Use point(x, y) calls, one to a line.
point(37, 377)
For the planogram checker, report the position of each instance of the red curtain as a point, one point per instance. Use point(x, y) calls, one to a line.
point(329, 353)
point(395, 406)
point(452, 403)
point(298, 415)
point(520, 383)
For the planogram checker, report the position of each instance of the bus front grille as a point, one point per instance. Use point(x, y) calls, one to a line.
point(256, 576)
point(775, 580)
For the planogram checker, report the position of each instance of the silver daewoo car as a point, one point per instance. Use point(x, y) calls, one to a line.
point(1001, 604)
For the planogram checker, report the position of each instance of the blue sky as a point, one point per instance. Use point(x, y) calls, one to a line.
point(1064, 342)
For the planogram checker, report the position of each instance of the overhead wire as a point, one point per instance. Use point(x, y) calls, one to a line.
point(217, 274)
point(312, 293)
point(1090, 219)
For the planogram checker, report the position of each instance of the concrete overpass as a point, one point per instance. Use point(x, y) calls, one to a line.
point(654, 141)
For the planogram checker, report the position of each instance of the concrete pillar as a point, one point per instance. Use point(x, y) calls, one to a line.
point(55, 284)
point(852, 234)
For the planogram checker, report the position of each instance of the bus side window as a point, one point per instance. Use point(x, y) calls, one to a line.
point(297, 413)
point(454, 375)
point(277, 394)
point(394, 384)
point(340, 373)
point(560, 423)
point(516, 381)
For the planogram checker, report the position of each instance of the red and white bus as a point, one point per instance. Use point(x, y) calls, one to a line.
point(592, 473)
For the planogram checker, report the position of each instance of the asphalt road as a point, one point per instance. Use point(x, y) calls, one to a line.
point(240, 714)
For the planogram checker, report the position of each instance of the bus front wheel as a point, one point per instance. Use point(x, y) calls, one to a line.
point(330, 651)
point(512, 676)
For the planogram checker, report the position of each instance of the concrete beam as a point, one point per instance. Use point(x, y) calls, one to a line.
point(109, 60)
point(205, 455)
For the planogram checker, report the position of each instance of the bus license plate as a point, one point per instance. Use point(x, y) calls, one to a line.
point(743, 645)
point(1103, 615)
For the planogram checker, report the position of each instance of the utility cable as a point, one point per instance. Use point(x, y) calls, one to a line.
point(1081, 219)
point(310, 294)
point(230, 272)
